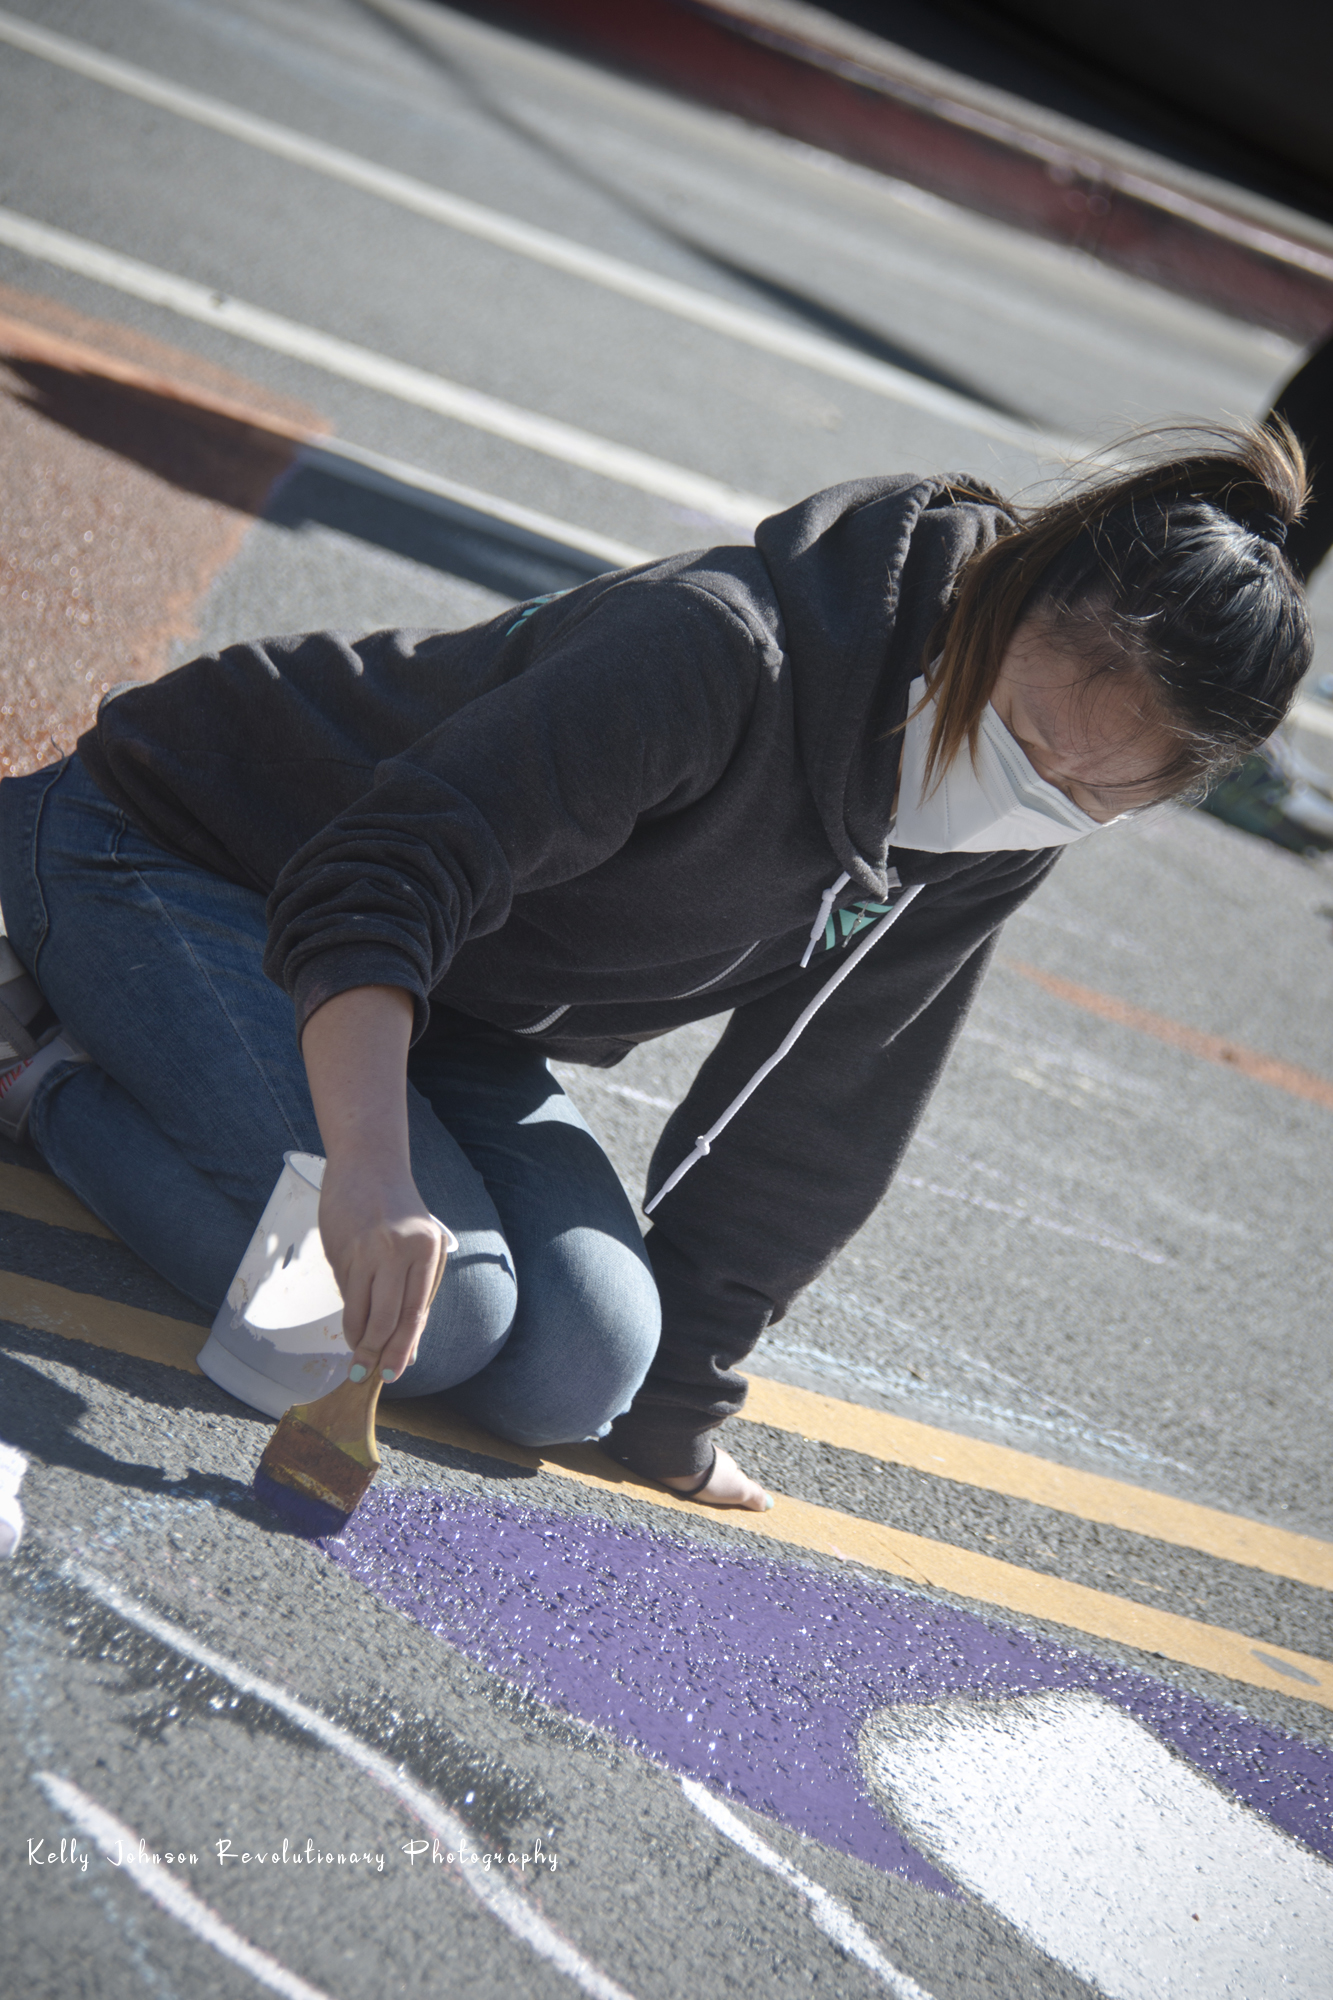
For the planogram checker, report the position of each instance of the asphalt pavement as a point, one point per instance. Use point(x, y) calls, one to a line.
point(360, 312)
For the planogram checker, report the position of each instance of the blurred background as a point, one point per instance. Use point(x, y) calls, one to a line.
point(760, 244)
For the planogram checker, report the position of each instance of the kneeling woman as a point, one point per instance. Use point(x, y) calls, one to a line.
point(804, 783)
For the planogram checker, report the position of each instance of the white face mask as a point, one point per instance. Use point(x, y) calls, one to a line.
point(1001, 802)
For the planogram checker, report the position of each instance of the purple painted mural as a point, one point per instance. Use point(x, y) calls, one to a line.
point(755, 1674)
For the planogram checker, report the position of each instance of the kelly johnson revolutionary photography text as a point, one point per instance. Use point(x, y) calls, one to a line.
point(310, 1853)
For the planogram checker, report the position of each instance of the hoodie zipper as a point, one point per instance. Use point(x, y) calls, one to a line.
point(827, 900)
point(704, 1143)
point(549, 1020)
point(718, 977)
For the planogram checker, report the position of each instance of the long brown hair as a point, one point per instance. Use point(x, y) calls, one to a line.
point(1173, 568)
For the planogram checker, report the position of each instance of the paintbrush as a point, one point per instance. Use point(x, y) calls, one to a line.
point(322, 1457)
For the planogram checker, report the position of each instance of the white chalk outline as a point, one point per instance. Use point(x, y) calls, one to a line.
point(504, 1903)
point(1017, 1214)
point(695, 491)
point(826, 1912)
point(542, 246)
point(96, 1824)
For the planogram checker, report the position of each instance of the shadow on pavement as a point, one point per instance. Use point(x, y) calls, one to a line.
point(220, 457)
point(201, 451)
point(43, 1419)
point(307, 496)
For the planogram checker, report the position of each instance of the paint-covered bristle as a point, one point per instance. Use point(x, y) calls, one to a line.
point(322, 1457)
point(303, 1457)
point(308, 1516)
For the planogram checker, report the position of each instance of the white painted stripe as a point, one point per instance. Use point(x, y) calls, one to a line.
point(829, 1915)
point(1112, 1855)
point(179, 1902)
point(542, 246)
point(399, 379)
point(504, 1903)
point(524, 525)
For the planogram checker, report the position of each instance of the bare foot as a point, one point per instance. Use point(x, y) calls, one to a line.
point(728, 1487)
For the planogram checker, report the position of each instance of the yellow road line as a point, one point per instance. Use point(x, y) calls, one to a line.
point(938, 1565)
point(992, 1468)
point(998, 1469)
point(148, 1336)
point(42, 1199)
point(800, 1523)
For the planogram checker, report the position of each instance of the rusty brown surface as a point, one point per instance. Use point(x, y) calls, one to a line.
point(131, 471)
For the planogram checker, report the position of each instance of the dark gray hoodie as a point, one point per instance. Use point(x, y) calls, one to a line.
point(609, 812)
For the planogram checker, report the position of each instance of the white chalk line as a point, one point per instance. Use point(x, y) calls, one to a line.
point(638, 1096)
point(542, 246)
point(1039, 913)
point(1060, 1419)
point(1070, 1062)
point(98, 1825)
point(1101, 1233)
point(399, 379)
point(512, 1910)
point(1084, 1231)
point(826, 1912)
point(1017, 1214)
point(571, 1074)
point(954, 1405)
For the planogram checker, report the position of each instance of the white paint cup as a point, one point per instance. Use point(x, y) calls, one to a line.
point(278, 1336)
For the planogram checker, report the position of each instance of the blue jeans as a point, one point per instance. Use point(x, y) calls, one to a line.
point(174, 1134)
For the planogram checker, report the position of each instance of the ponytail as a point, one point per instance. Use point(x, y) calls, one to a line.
point(1174, 569)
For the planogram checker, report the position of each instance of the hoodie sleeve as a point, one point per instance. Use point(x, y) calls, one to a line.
point(533, 783)
point(808, 1159)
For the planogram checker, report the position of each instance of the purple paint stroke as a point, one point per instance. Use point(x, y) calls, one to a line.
point(755, 1675)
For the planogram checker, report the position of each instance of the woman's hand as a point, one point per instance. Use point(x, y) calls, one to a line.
point(387, 1252)
point(728, 1486)
point(386, 1249)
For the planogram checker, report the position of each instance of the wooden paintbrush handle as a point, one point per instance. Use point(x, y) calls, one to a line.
point(346, 1416)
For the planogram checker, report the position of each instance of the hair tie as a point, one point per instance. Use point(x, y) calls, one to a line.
point(1268, 526)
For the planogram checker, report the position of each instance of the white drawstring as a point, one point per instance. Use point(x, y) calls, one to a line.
point(826, 902)
point(703, 1145)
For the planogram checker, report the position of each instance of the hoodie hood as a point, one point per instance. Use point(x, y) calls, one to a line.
point(861, 573)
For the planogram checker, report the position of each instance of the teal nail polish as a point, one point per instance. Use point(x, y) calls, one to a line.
point(357, 1373)
point(388, 1374)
